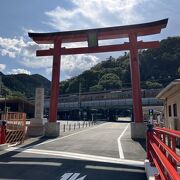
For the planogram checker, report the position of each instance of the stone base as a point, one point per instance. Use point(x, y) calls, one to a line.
point(52, 129)
point(3, 147)
point(41, 121)
point(35, 130)
point(138, 130)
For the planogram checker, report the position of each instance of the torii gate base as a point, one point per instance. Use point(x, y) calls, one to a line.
point(138, 130)
point(52, 129)
point(92, 36)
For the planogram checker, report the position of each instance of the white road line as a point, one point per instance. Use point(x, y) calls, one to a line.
point(80, 156)
point(31, 163)
point(70, 135)
point(121, 154)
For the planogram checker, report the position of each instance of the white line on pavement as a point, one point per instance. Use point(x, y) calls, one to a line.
point(80, 156)
point(71, 134)
point(121, 154)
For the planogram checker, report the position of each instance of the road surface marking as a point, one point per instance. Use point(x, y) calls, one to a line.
point(66, 176)
point(80, 156)
point(121, 154)
point(71, 176)
point(32, 163)
point(70, 135)
point(109, 168)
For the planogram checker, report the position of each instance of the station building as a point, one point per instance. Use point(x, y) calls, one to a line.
point(171, 97)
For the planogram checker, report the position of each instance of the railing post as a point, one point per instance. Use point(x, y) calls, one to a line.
point(148, 139)
point(2, 132)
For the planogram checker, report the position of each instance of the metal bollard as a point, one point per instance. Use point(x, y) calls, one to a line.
point(69, 127)
point(64, 127)
point(79, 125)
point(74, 126)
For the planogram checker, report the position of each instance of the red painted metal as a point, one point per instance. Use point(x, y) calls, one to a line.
point(161, 151)
point(2, 133)
point(135, 79)
point(55, 82)
point(102, 33)
point(100, 49)
point(15, 127)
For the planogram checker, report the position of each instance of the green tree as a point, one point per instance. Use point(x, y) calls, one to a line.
point(110, 81)
point(153, 85)
point(96, 88)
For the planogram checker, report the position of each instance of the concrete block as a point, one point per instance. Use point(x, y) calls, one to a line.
point(52, 129)
point(3, 147)
point(150, 171)
point(35, 130)
point(138, 130)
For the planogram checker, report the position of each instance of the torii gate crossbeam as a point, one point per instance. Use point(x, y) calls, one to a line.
point(92, 36)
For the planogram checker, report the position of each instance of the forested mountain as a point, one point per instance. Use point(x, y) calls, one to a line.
point(23, 84)
point(158, 67)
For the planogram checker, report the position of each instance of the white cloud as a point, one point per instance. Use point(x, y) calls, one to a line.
point(74, 65)
point(25, 51)
point(11, 47)
point(83, 14)
point(2, 67)
point(19, 71)
point(95, 13)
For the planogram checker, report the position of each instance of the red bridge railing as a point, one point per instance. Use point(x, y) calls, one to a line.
point(161, 152)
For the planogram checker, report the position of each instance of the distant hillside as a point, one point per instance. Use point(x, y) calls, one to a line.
point(23, 84)
point(158, 67)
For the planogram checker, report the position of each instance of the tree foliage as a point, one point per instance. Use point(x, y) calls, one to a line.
point(158, 67)
point(110, 81)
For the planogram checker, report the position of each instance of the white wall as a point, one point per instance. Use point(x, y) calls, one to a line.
point(173, 122)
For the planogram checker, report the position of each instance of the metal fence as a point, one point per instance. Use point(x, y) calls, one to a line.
point(161, 152)
point(15, 127)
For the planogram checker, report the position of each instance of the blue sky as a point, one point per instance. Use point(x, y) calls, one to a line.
point(18, 17)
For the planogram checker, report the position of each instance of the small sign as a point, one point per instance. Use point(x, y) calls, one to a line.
point(151, 112)
point(92, 39)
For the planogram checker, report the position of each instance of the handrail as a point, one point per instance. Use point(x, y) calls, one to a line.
point(161, 151)
point(169, 150)
point(173, 174)
point(168, 131)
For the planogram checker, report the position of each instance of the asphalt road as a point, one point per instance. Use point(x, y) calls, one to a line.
point(103, 152)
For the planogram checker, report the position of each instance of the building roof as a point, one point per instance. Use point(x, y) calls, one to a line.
point(172, 88)
point(101, 33)
point(16, 100)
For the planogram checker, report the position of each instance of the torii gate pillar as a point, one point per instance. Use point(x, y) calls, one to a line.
point(138, 126)
point(52, 126)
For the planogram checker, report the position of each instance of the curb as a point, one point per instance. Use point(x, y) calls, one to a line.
point(3, 147)
point(150, 171)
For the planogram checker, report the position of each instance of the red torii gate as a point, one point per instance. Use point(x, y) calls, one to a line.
point(92, 36)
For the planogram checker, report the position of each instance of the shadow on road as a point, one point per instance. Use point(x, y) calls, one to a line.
point(30, 167)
